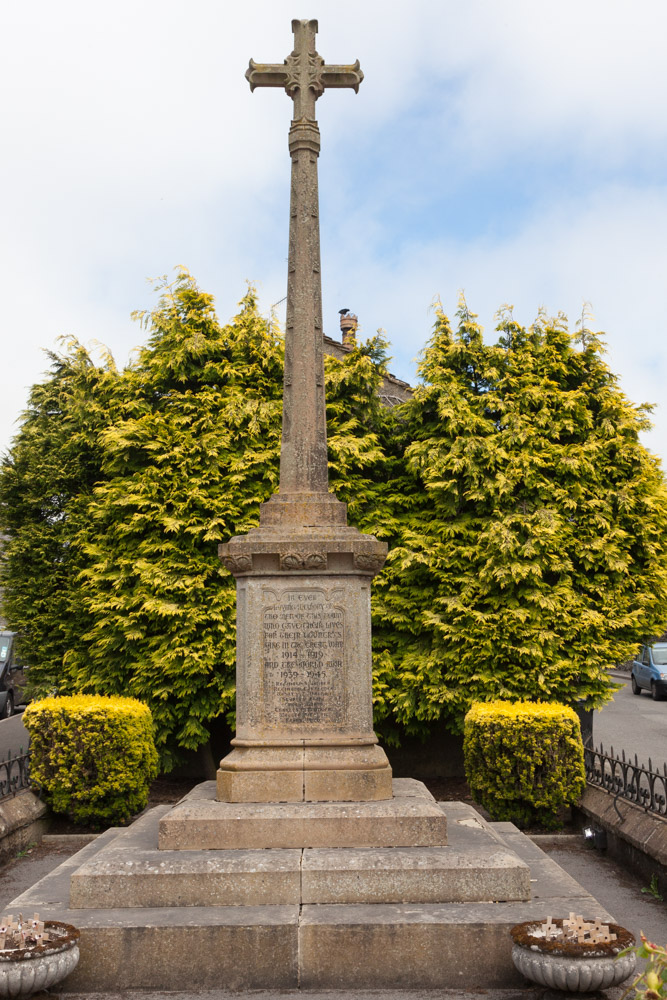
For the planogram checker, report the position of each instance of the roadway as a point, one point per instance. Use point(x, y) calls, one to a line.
point(633, 723)
point(13, 736)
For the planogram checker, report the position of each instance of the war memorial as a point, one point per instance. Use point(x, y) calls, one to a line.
point(304, 866)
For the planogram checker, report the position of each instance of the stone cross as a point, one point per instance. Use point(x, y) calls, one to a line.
point(304, 700)
point(305, 76)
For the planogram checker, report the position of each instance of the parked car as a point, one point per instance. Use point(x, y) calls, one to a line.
point(649, 671)
point(12, 675)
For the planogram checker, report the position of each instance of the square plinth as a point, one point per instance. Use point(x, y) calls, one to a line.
point(304, 786)
point(199, 822)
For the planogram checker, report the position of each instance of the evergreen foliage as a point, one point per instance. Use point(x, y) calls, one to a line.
point(526, 522)
point(531, 555)
point(185, 467)
point(44, 485)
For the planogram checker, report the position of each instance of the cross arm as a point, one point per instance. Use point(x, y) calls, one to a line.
point(346, 75)
point(281, 74)
point(266, 74)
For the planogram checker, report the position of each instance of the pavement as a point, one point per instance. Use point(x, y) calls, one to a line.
point(14, 737)
point(618, 890)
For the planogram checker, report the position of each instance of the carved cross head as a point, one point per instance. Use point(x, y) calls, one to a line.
point(304, 74)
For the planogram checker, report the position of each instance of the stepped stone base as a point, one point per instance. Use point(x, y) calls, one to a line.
point(311, 936)
point(131, 872)
point(410, 819)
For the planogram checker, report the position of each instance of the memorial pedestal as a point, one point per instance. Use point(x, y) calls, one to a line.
point(304, 687)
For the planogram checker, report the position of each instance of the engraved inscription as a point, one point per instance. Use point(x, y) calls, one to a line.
point(303, 664)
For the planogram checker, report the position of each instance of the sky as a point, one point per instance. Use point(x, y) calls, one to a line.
point(515, 150)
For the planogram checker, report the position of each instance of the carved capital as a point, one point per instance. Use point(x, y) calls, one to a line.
point(303, 560)
point(239, 563)
point(372, 562)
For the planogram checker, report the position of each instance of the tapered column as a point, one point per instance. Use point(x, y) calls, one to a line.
point(303, 456)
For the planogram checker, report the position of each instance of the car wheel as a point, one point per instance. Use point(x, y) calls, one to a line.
point(635, 686)
point(655, 694)
point(9, 707)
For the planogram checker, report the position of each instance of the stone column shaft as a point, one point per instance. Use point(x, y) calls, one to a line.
point(303, 456)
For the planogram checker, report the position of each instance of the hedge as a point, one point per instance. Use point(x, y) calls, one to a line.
point(524, 761)
point(93, 757)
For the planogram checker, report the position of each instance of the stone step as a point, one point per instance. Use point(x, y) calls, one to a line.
point(412, 875)
point(199, 822)
point(129, 871)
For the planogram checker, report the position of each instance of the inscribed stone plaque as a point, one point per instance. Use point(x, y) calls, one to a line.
point(303, 657)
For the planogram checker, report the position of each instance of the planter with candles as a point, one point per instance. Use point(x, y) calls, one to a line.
point(573, 954)
point(35, 954)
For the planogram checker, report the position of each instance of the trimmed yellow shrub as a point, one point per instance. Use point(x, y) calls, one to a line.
point(524, 760)
point(93, 757)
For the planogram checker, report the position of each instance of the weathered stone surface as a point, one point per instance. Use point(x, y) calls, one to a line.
point(414, 874)
point(185, 948)
point(303, 664)
point(259, 786)
point(308, 774)
point(304, 661)
point(305, 76)
point(406, 820)
point(304, 681)
point(23, 819)
point(346, 785)
point(645, 831)
point(130, 871)
point(407, 946)
point(353, 947)
point(431, 946)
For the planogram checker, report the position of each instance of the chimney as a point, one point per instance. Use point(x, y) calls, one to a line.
point(348, 327)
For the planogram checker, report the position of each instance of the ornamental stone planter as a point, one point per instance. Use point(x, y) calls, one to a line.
point(570, 965)
point(24, 971)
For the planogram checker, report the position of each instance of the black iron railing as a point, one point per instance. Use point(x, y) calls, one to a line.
point(625, 779)
point(14, 773)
